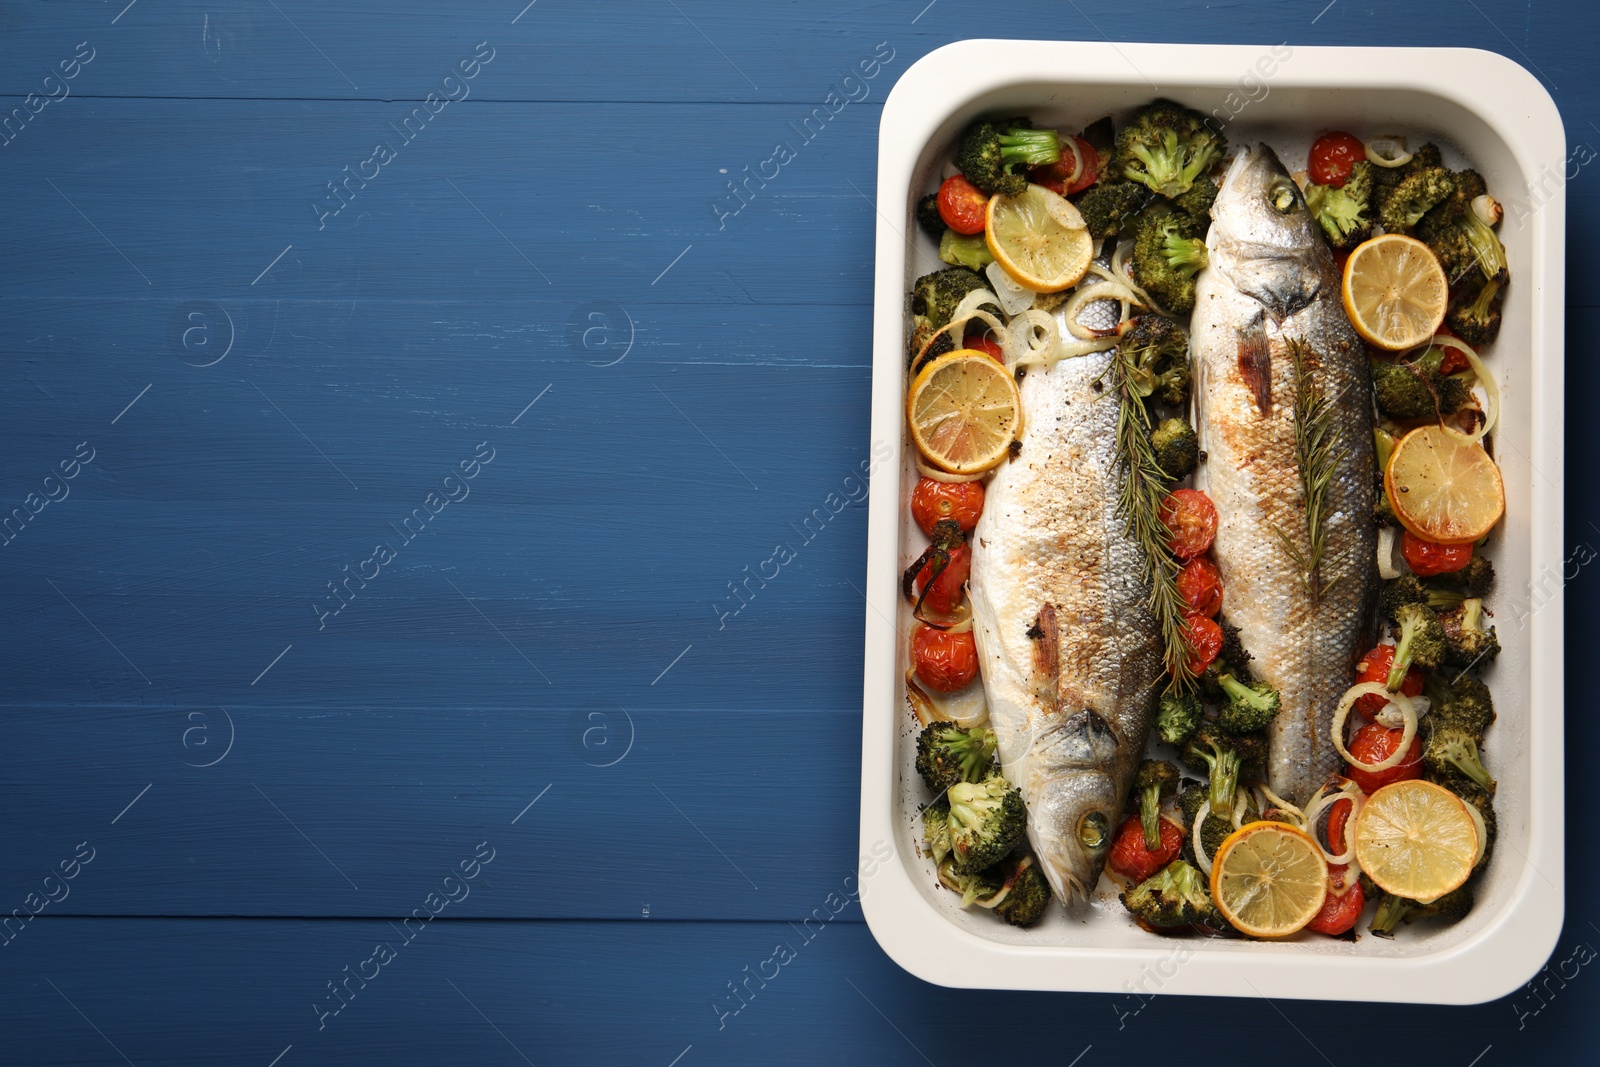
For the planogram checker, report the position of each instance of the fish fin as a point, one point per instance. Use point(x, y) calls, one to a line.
point(1255, 363)
point(1046, 635)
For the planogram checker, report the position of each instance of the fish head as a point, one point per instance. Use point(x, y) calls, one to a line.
point(1263, 237)
point(1072, 821)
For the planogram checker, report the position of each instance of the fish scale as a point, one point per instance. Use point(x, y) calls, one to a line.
point(1071, 656)
point(1270, 281)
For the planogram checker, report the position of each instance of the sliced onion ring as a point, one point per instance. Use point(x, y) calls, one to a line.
point(1342, 712)
point(1199, 850)
point(1388, 152)
point(1066, 351)
point(1091, 294)
point(1491, 388)
point(1483, 832)
point(937, 475)
point(1011, 295)
point(1282, 804)
point(1323, 801)
point(1386, 541)
point(1033, 333)
point(1077, 159)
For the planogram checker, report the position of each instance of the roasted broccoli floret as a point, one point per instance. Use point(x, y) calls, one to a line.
point(947, 754)
point(1406, 589)
point(1178, 895)
point(1385, 179)
point(1168, 251)
point(1027, 894)
point(1176, 447)
point(1107, 206)
point(987, 820)
point(964, 250)
point(1232, 659)
point(1190, 799)
point(936, 828)
point(1418, 193)
point(1458, 237)
point(975, 887)
point(1468, 642)
point(1450, 753)
point(1198, 200)
point(1249, 707)
point(1416, 390)
point(928, 216)
point(1475, 579)
point(1420, 643)
point(1167, 147)
point(989, 151)
point(1222, 767)
point(1344, 212)
point(934, 299)
point(1475, 314)
point(1393, 910)
point(1154, 780)
point(1178, 715)
point(1160, 350)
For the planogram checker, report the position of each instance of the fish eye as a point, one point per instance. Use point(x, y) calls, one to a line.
point(1283, 196)
point(1093, 831)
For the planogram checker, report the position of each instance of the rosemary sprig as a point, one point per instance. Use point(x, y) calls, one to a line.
point(1144, 487)
point(1318, 457)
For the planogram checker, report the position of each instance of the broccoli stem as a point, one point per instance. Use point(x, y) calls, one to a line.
point(1241, 693)
point(1402, 656)
point(1224, 765)
point(1033, 147)
point(1392, 910)
point(1485, 245)
point(1150, 816)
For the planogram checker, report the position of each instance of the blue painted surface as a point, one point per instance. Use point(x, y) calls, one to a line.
point(269, 390)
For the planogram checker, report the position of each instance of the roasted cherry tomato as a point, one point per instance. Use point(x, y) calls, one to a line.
point(1374, 667)
point(962, 205)
point(1131, 858)
point(944, 594)
point(1338, 815)
point(1201, 588)
point(944, 661)
point(1426, 558)
point(932, 501)
point(1454, 360)
point(1058, 176)
point(1374, 743)
point(1332, 156)
point(1204, 638)
point(982, 342)
point(1341, 907)
point(1192, 519)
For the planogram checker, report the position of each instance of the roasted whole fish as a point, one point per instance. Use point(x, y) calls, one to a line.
point(1268, 302)
point(1070, 655)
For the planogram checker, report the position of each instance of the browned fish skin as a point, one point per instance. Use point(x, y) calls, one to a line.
point(1271, 280)
point(1071, 656)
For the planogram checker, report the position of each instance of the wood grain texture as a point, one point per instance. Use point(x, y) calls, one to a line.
point(203, 991)
point(174, 209)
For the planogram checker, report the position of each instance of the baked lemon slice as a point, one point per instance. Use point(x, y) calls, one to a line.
point(1268, 879)
point(1444, 487)
point(964, 411)
point(1395, 292)
point(1039, 239)
point(1416, 840)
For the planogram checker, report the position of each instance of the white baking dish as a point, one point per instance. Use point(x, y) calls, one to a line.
point(1477, 105)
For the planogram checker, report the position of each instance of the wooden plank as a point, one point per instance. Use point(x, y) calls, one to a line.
point(686, 814)
point(222, 520)
point(220, 991)
point(252, 200)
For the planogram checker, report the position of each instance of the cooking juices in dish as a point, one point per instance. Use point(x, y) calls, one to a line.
point(1202, 446)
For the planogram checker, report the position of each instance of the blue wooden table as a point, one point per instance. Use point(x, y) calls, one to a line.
point(392, 396)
